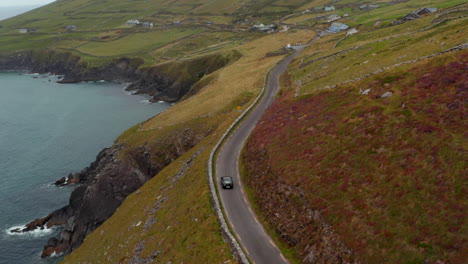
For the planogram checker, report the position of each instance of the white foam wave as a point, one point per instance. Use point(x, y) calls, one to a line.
point(54, 254)
point(131, 92)
point(101, 81)
point(34, 233)
point(145, 101)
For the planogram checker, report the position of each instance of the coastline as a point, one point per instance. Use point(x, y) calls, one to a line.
point(43, 146)
point(120, 169)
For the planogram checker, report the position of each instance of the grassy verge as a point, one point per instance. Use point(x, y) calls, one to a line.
point(158, 223)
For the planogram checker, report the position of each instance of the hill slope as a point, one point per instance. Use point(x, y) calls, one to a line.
point(371, 133)
point(207, 46)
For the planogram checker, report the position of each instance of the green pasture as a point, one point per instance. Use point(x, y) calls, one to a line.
point(137, 43)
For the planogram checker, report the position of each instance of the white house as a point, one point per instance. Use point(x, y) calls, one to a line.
point(329, 8)
point(264, 28)
point(285, 28)
point(352, 31)
point(337, 27)
point(333, 17)
point(133, 22)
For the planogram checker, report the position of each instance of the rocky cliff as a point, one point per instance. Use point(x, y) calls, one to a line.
point(123, 168)
point(102, 187)
point(168, 82)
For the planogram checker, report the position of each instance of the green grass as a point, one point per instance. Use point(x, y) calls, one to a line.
point(371, 56)
point(184, 227)
point(103, 36)
point(136, 43)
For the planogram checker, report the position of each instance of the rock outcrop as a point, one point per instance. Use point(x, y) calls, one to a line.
point(117, 172)
point(168, 82)
point(121, 169)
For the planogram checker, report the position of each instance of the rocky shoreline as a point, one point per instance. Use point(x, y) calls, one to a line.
point(163, 83)
point(121, 169)
point(68, 65)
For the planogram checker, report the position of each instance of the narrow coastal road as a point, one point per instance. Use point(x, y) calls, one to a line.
point(257, 244)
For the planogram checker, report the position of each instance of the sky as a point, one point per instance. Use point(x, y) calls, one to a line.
point(24, 2)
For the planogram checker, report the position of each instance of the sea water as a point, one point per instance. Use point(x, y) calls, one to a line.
point(7, 11)
point(48, 130)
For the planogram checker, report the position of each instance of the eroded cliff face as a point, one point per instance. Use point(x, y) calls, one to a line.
point(117, 172)
point(123, 168)
point(168, 82)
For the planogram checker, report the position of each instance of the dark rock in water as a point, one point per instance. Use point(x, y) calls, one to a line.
point(73, 178)
point(105, 184)
point(60, 181)
point(16, 230)
point(38, 223)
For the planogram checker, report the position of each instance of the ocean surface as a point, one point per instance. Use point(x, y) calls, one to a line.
point(11, 11)
point(48, 130)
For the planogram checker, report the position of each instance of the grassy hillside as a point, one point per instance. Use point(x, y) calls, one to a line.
point(388, 174)
point(182, 29)
point(170, 217)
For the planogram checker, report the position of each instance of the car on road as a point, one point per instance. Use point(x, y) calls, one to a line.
point(226, 182)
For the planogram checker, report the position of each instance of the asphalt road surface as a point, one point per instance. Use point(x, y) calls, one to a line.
point(257, 244)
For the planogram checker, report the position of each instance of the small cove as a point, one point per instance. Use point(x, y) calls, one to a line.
point(48, 130)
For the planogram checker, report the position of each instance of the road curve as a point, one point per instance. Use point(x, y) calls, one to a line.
point(256, 243)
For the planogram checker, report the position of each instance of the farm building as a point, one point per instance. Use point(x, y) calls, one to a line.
point(264, 28)
point(71, 27)
point(418, 13)
point(148, 25)
point(351, 32)
point(368, 7)
point(425, 10)
point(26, 30)
point(133, 22)
point(410, 16)
point(333, 17)
point(337, 27)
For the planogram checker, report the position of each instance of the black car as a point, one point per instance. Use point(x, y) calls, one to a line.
point(226, 182)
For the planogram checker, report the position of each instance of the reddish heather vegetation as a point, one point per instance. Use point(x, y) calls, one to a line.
point(387, 174)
